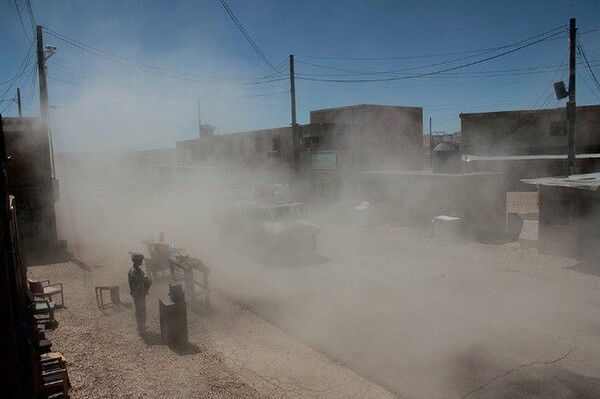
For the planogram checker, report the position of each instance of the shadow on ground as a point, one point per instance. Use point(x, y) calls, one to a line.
point(586, 267)
point(478, 377)
point(153, 339)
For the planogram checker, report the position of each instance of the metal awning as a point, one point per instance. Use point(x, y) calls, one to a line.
point(589, 181)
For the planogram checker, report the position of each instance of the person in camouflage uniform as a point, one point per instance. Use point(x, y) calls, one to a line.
point(139, 284)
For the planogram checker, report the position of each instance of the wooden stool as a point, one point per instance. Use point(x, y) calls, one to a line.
point(115, 299)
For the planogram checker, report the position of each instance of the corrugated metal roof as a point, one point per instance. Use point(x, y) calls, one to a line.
point(470, 158)
point(589, 181)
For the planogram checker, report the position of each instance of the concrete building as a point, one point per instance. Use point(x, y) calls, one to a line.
point(336, 142)
point(375, 137)
point(529, 144)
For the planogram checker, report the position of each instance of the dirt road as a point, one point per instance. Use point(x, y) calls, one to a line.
point(432, 319)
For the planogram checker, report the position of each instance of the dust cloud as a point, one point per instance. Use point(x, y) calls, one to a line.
point(379, 294)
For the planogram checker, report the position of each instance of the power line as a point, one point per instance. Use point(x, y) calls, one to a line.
point(159, 71)
point(32, 91)
point(580, 47)
point(394, 72)
point(21, 70)
point(587, 85)
point(425, 74)
point(21, 20)
point(81, 71)
point(479, 51)
point(435, 64)
point(238, 24)
point(560, 67)
point(32, 20)
point(157, 94)
point(429, 34)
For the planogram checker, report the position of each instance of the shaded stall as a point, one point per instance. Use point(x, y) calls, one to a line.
point(182, 269)
point(569, 215)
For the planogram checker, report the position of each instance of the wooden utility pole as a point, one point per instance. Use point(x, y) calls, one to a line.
point(49, 185)
point(19, 102)
point(199, 120)
point(41, 61)
point(293, 89)
point(430, 144)
point(295, 137)
point(571, 104)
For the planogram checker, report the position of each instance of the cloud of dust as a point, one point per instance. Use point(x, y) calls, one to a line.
point(353, 298)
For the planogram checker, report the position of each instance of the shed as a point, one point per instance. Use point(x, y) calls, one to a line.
point(569, 215)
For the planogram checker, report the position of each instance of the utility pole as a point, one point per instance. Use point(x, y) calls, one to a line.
point(49, 185)
point(430, 143)
point(41, 61)
point(199, 120)
point(19, 102)
point(293, 105)
point(571, 104)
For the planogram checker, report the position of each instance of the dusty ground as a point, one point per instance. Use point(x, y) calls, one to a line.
point(232, 352)
point(435, 319)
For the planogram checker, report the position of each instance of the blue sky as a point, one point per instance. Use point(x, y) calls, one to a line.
point(164, 56)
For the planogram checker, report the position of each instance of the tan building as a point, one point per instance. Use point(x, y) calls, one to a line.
point(336, 142)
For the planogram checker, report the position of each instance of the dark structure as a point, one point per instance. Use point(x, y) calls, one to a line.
point(414, 198)
point(173, 316)
point(18, 331)
point(569, 223)
point(529, 144)
point(31, 180)
point(540, 132)
point(446, 158)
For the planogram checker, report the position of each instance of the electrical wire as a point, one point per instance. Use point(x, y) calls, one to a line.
point(560, 67)
point(22, 23)
point(30, 96)
point(148, 68)
point(580, 47)
point(430, 34)
point(583, 79)
point(394, 72)
point(473, 53)
point(21, 70)
point(426, 74)
point(30, 13)
point(254, 46)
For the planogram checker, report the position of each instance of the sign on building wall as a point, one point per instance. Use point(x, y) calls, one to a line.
point(323, 161)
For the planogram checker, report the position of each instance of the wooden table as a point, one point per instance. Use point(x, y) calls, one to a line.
point(193, 287)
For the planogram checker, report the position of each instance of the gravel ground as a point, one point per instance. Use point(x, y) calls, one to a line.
point(232, 352)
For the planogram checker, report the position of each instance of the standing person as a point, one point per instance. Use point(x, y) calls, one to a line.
point(139, 284)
